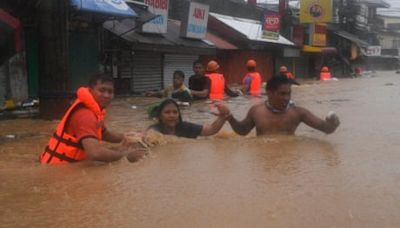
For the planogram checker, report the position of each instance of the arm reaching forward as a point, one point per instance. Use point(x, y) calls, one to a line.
point(328, 125)
point(242, 127)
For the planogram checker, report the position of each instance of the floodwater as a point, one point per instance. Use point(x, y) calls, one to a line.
point(350, 178)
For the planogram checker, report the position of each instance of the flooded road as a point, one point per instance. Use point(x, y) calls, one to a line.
point(350, 178)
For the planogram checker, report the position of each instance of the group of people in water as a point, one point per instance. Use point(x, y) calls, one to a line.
point(80, 132)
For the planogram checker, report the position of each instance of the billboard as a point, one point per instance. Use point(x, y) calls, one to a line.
point(270, 25)
point(195, 25)
point(315, 11)
point(158, 24)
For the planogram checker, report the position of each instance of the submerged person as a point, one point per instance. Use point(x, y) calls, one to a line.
point(218, 86)
point(170, 121)
point(325, 74)
point(252, 79)
point(278, 115)
point(79, 134)
point(283, 71)
point(199, 83)
point(177, 90)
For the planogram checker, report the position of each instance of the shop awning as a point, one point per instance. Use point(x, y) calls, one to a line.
point(116, 8)
point(352, 38)
point(249, 28)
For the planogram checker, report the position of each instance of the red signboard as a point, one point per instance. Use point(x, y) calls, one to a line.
point(271, 25)
point(272, 21)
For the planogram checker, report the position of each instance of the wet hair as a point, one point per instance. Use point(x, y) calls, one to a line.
point(275, 82)
point(197, 62)
point(163, 105)
point(179, 73)
point(102, 78)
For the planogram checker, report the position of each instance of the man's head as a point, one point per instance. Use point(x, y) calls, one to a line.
point(279, 92)
point(198, 68)
point(101, 86)
point(251, 65)
point(178, 79)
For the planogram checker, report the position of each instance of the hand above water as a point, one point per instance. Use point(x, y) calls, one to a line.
point(223, 111)
point(333, 119)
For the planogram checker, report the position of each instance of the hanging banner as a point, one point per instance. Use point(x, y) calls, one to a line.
point(315, 11)
point(270, 25)
point(195, 25)
point(158, 24)
point(318, 35)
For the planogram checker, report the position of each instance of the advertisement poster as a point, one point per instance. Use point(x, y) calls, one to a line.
point(158, 24)
point(271, 25)
point(315, 11)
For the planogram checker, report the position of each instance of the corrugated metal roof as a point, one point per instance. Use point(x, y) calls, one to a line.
point(249, 28)
point(219, 42)
point(125, 29)
point(352, 37)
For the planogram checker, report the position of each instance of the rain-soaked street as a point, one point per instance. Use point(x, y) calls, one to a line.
point(350, 178)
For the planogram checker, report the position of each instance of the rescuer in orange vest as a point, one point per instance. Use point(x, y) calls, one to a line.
point(252, 80)
point(218, 86)
point(283, 71)
point(79, 134)
point(325, 74)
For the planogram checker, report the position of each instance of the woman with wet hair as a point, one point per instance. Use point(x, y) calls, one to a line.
point(170, 121)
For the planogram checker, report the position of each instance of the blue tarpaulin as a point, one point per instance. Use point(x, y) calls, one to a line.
point(116, 8)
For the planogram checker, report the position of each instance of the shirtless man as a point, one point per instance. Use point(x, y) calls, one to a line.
point(277, 115)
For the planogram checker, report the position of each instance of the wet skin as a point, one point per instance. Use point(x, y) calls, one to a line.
point(276, 116)
point(103, 93)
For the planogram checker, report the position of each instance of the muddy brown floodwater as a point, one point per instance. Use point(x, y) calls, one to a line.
point(348, 179)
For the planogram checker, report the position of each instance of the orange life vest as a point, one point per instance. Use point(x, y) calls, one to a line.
point(324, 76)
point(217, 88)
point(63, 147)
point(289, 75)
point(255, 85)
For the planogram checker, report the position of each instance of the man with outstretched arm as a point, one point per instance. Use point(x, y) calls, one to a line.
point(278, 115)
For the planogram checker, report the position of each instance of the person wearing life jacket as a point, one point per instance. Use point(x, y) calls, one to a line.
point(283, 71)
point(79, 134)
point(218, 86)
point(252, 79)
point(325, 74)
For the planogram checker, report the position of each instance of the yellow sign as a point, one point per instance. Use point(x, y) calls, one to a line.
point(318, 32)
point(315, 11)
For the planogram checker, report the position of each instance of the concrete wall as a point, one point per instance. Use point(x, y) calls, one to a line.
point(387, 40)
point(18, 77)
point(13, 79)
point(3, 82)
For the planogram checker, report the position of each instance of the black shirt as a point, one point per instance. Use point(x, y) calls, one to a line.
point(183, 129)
point(199, 82)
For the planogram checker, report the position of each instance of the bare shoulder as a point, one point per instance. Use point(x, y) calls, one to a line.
point(257, 108)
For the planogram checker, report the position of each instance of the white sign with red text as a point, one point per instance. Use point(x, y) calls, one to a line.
point(158, 24)
point(197, 21)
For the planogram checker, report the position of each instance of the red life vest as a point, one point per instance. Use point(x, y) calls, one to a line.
point(324, 76)
point(63, 147)
point(255, 85)
point(217, 88)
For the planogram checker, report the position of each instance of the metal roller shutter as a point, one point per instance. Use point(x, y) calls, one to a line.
point(147, 71)
point(3, 82)
point(178, 62)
